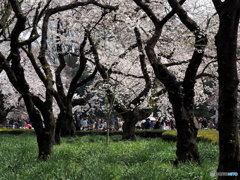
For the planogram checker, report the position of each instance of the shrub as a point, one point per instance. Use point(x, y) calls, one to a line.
point(149, 133)
point(169, 135)
point(16, 131)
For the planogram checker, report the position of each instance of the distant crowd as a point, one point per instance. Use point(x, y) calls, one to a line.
point(98, 124)
point(204, 123)
point(17, 124)
point(115, 123)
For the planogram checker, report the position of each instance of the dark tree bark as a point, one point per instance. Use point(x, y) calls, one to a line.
point(130, 120)
point(68, 128)
point(35, 106)
point(226, 42)
point(44, 128)
point(3, 113)
point(65, 101)
point(59, 123)
point(180, 96)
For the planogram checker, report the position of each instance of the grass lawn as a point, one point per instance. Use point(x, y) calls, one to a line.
point(88, 158)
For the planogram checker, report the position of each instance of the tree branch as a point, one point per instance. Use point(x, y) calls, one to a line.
point(83, 62)
point(148, 84)
point(6, 15)
point(80, 102)
point(88, 79)
point(62, 64)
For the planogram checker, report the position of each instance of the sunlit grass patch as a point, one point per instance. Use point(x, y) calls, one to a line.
point(203, 135)
point(208, 135)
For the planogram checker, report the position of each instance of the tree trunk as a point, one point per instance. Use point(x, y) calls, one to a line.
point(68, 127)
point(45, 141)
point(59, 123)
point(129, 129)
point(187, 139)
point(226, 41)
point(45, 133)
point(3, 112)
point(183, 114)
point(187, 131)
point(130, 119)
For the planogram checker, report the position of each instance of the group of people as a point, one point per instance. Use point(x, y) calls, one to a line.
point(17, 124)
point(156, 123)
point(98, 124)
point(115, 123)
point(204, 123)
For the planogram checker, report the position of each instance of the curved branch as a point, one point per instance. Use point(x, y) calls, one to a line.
point(88, 79)
point(34, 63)
point(83, 62)
point(80, 102)
point(147, 79)
point(62, 64)
point(200, 44)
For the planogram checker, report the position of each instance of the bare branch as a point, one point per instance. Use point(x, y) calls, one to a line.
point(148, 84)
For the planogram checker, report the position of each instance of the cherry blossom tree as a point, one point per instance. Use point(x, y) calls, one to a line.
point(65, 101)
point(33, 103)
point(39, 110)
point(65, 124)
point(129, 24)
point(131, 111)
point(180, 96)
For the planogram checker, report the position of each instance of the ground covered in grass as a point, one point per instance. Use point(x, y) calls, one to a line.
point(88, 158)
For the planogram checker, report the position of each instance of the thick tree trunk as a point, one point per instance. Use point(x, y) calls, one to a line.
point(129, 129)
point(187, 132)
point(65, 126)
point(45, 141)
point(130, 120)
point(183, 114)
point(44, 132)
point(187, 140)
point(226, 41)
point(68, 127)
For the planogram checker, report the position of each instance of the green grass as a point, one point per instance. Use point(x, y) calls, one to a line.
point(88, 158)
